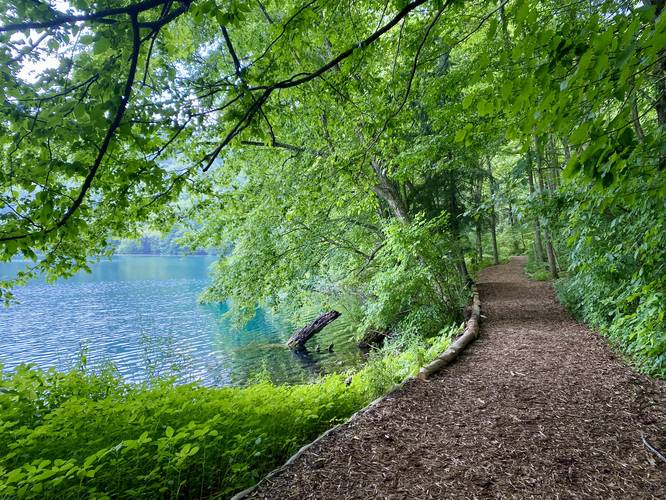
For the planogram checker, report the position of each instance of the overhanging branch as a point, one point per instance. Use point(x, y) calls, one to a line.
point(301, 78)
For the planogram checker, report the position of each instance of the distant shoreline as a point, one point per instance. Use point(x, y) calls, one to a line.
point(164, 255)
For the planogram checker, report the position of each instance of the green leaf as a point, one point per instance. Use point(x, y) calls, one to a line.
point(101, 45)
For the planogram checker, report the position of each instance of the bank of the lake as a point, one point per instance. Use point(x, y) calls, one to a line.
point(80, 434)
point(95, 422)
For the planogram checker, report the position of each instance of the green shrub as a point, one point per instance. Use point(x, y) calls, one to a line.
point(617, 255)
point(536, 270)
point(632, 318)
point(68, 435)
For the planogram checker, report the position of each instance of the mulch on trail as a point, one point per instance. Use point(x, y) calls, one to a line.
point(538, 406)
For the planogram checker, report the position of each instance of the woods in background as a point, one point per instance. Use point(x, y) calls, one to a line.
point(372, 153)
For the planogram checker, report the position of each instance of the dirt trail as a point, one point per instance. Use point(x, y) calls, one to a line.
point(537, 407)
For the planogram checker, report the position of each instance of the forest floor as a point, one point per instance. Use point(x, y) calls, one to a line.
point(538, 406)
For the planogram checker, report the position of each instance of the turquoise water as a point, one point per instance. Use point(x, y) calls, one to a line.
point(142, 314)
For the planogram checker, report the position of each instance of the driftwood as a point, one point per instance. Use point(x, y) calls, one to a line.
point(297, 340)
point(470, 333)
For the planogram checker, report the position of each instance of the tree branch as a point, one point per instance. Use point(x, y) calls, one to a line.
point(275, 144)
point(132, 10)
point(87, 183)
point(294, 80)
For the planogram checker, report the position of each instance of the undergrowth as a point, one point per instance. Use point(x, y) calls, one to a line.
point(535, 270)
point(89, 434)
point(616, 250)
point(634, 324)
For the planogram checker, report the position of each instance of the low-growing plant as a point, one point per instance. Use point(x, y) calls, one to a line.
point(87, 434)
point(617, 255)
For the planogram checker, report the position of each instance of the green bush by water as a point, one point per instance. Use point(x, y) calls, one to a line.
point(81, 434)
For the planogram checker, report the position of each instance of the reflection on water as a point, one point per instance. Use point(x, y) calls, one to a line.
point(142, 313)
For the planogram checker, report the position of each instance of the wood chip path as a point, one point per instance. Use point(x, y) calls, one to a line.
point(537, 407)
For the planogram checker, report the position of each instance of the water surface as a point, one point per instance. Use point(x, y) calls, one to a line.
point(142, 313)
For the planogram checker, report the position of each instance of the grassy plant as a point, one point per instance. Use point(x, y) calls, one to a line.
point(537, 271)
point(80, 434)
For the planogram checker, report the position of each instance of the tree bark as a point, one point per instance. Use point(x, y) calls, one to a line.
point(493, 215)
point(465, 277)
point(554, 165)
point(552, 261)
point(388, 191)
point(538, 244)
point(660, 72)
point(454, 212)
point(660, 80)
point(515, 245)
point(477, 222)
point(636, 120)
point(479, 242)
point(297, 340)
point(493, 236)
point(567, 150)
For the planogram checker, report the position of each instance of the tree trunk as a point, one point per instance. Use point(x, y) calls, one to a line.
point(372, 339)
point(493, 215)
point(477, 222)
point(387, 190)
point(463, 272)
point(636, 120)
point(552, 262)
point(454, 212)
point(567, 150)
point(660, 71)
point(538, 245)
point(515, 245)
point(297, 340)
point(479, 242)
point(660, 80)
point(493, 237)
point(554, 164)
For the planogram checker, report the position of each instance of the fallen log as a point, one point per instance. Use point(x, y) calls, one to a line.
point(470, 333)
point(297, 341)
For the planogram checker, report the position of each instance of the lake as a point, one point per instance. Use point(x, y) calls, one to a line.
point(142, 313)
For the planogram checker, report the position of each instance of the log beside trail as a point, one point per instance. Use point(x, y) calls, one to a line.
point(470, 333)
point(297, 341)
point(541, 405)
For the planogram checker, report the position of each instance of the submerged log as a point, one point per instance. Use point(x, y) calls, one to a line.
point(305, 359)
point(372, 339)
point(298, 339)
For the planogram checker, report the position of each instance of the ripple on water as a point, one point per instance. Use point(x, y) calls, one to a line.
point(141, 312)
